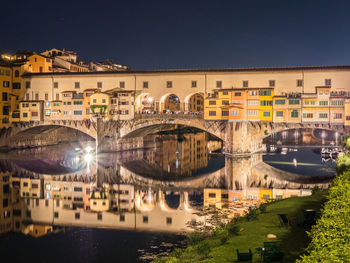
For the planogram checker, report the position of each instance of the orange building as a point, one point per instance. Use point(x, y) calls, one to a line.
point(238, 105)
point(40, 64)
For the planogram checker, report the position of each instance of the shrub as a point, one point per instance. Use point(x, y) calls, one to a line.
point(233, 229)
point(252, 214)
point(263, 207)
point(194, 238)
point(203, 248)
point(224, 239)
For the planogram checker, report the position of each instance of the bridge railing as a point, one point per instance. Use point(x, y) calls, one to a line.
point(168, 116)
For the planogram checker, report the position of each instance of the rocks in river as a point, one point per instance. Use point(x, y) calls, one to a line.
point(271, 236)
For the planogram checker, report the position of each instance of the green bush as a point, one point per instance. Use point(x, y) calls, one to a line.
point(252, 214)
point(194, 238)
point(203, 248)
point(262, 208)
point(233, 229)
point(330, 237)
point(223, 239)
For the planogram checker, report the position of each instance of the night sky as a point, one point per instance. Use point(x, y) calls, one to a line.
point(184, 34)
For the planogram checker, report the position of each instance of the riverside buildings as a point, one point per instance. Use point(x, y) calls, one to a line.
point(291, 95)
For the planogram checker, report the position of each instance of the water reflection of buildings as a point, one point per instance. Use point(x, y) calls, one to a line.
point(179, 154)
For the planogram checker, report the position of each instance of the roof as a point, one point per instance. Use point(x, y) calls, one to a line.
point(203, 71)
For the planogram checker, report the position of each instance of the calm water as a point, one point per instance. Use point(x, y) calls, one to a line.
point(62, 203)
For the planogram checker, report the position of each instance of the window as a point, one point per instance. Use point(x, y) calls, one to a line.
point(308, 115)
point(253, 93)
point(235, 113)
point(265, 92)
point(77, 85)
point(224, 113)
point(212, 113)
point(294, 102)
point(78, 112)
point(236, 102)
point(122, 218)
point(212, 102)
point(94, 100)
point(267, 114)
point(78, 189)
point(279, 113)
point(34, 114)
point(57, 96)
point(55, 85)
point(99, 216)
point(253, 112)
point(271, 83)
point(194, 84)
point(145, 219)
point(253, 102)
point(16, 73)
point(36, 96)
point(323, 103)
point(99, 85)
point(266, 103)
point(169, 220)
point(219, 84)
point(25, 114)
point(145, 85)
point(27, 84)
point(337, 103)
point(78, 102)
point(103, 100)
point(4, 96)
point(320, 92)
point(122, 84)
point(46, 96)
point(6, 84)
point(338, 116)
point(245, 83)
point(299, 82)
point(212, 195)
point(328, 82)
point(225, 102)
point(294, 114)
point(77, 215)
point(280, 102)
point(16, 85)
point(169, 84)
point(238, 94)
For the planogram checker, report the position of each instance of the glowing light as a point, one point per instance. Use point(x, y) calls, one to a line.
point(77, 159)
point(88, 158)
point(150, 99)
point(88, 149)
point(323, 134)
point(77, 149)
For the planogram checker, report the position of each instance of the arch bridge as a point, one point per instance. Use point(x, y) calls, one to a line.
point(238, 137)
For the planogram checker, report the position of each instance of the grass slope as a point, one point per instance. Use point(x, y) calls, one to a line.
point(221, 247)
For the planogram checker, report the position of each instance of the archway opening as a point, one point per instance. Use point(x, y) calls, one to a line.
point(169, 102)
point(194, 102)
point(145, 104)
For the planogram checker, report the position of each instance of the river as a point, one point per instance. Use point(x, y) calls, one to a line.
point(64, 203)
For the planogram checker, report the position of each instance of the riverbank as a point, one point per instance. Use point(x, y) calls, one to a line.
point(221, 244)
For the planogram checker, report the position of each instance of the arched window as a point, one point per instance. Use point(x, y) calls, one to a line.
point(16, 73)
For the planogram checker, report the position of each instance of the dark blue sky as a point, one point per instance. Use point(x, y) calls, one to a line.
point(151, 34)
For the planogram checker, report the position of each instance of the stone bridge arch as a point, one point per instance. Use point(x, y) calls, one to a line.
point(247, 137)
point(8, 135)
point(149, 124)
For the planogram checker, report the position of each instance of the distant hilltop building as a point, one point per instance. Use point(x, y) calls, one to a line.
point(107, 65)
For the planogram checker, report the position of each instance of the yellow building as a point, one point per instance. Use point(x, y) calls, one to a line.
point(99, 201)
point(100, 103)
point(266, 104)
point(5, 87)
point(316, 107)
point(87, 94)
point(6, 210)
point(216, 198)
point(216, 105)
point(31, 111)
point(253, 105)
point(40, 64)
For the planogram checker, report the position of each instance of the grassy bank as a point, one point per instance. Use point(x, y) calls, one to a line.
point(221, 244)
